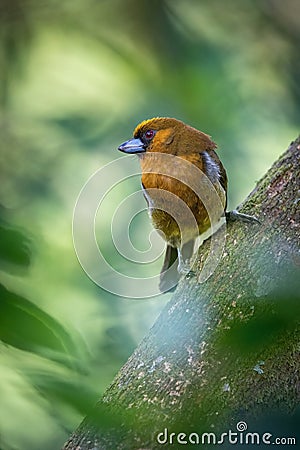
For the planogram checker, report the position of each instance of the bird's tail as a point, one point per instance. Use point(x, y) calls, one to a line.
point(169, 275)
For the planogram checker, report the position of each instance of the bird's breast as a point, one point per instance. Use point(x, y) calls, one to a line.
point(174, 206)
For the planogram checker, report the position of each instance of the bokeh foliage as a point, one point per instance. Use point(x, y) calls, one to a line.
point(75, 78)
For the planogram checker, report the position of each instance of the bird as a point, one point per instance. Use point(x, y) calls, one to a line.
point(185, 186)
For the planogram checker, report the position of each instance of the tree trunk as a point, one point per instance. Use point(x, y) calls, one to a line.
point(224, 354)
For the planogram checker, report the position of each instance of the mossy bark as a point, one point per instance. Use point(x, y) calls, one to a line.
point(223, 351)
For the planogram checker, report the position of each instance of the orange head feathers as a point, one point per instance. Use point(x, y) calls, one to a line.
point(167, 135)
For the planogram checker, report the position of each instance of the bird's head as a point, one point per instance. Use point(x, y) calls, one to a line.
point(166, 135)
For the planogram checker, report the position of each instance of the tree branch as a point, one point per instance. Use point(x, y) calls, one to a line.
point(222, 351)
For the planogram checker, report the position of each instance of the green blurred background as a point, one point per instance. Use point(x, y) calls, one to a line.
point(76, 77)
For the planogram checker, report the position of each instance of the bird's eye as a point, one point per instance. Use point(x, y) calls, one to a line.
point(149, 135)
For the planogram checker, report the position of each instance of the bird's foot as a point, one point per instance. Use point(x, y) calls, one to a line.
point(184, 268)
point(234, 216)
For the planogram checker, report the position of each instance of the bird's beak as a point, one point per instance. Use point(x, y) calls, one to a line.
point(132, 146)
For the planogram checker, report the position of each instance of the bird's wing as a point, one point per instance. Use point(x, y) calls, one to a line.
point(222, 171)
point(215, 170)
